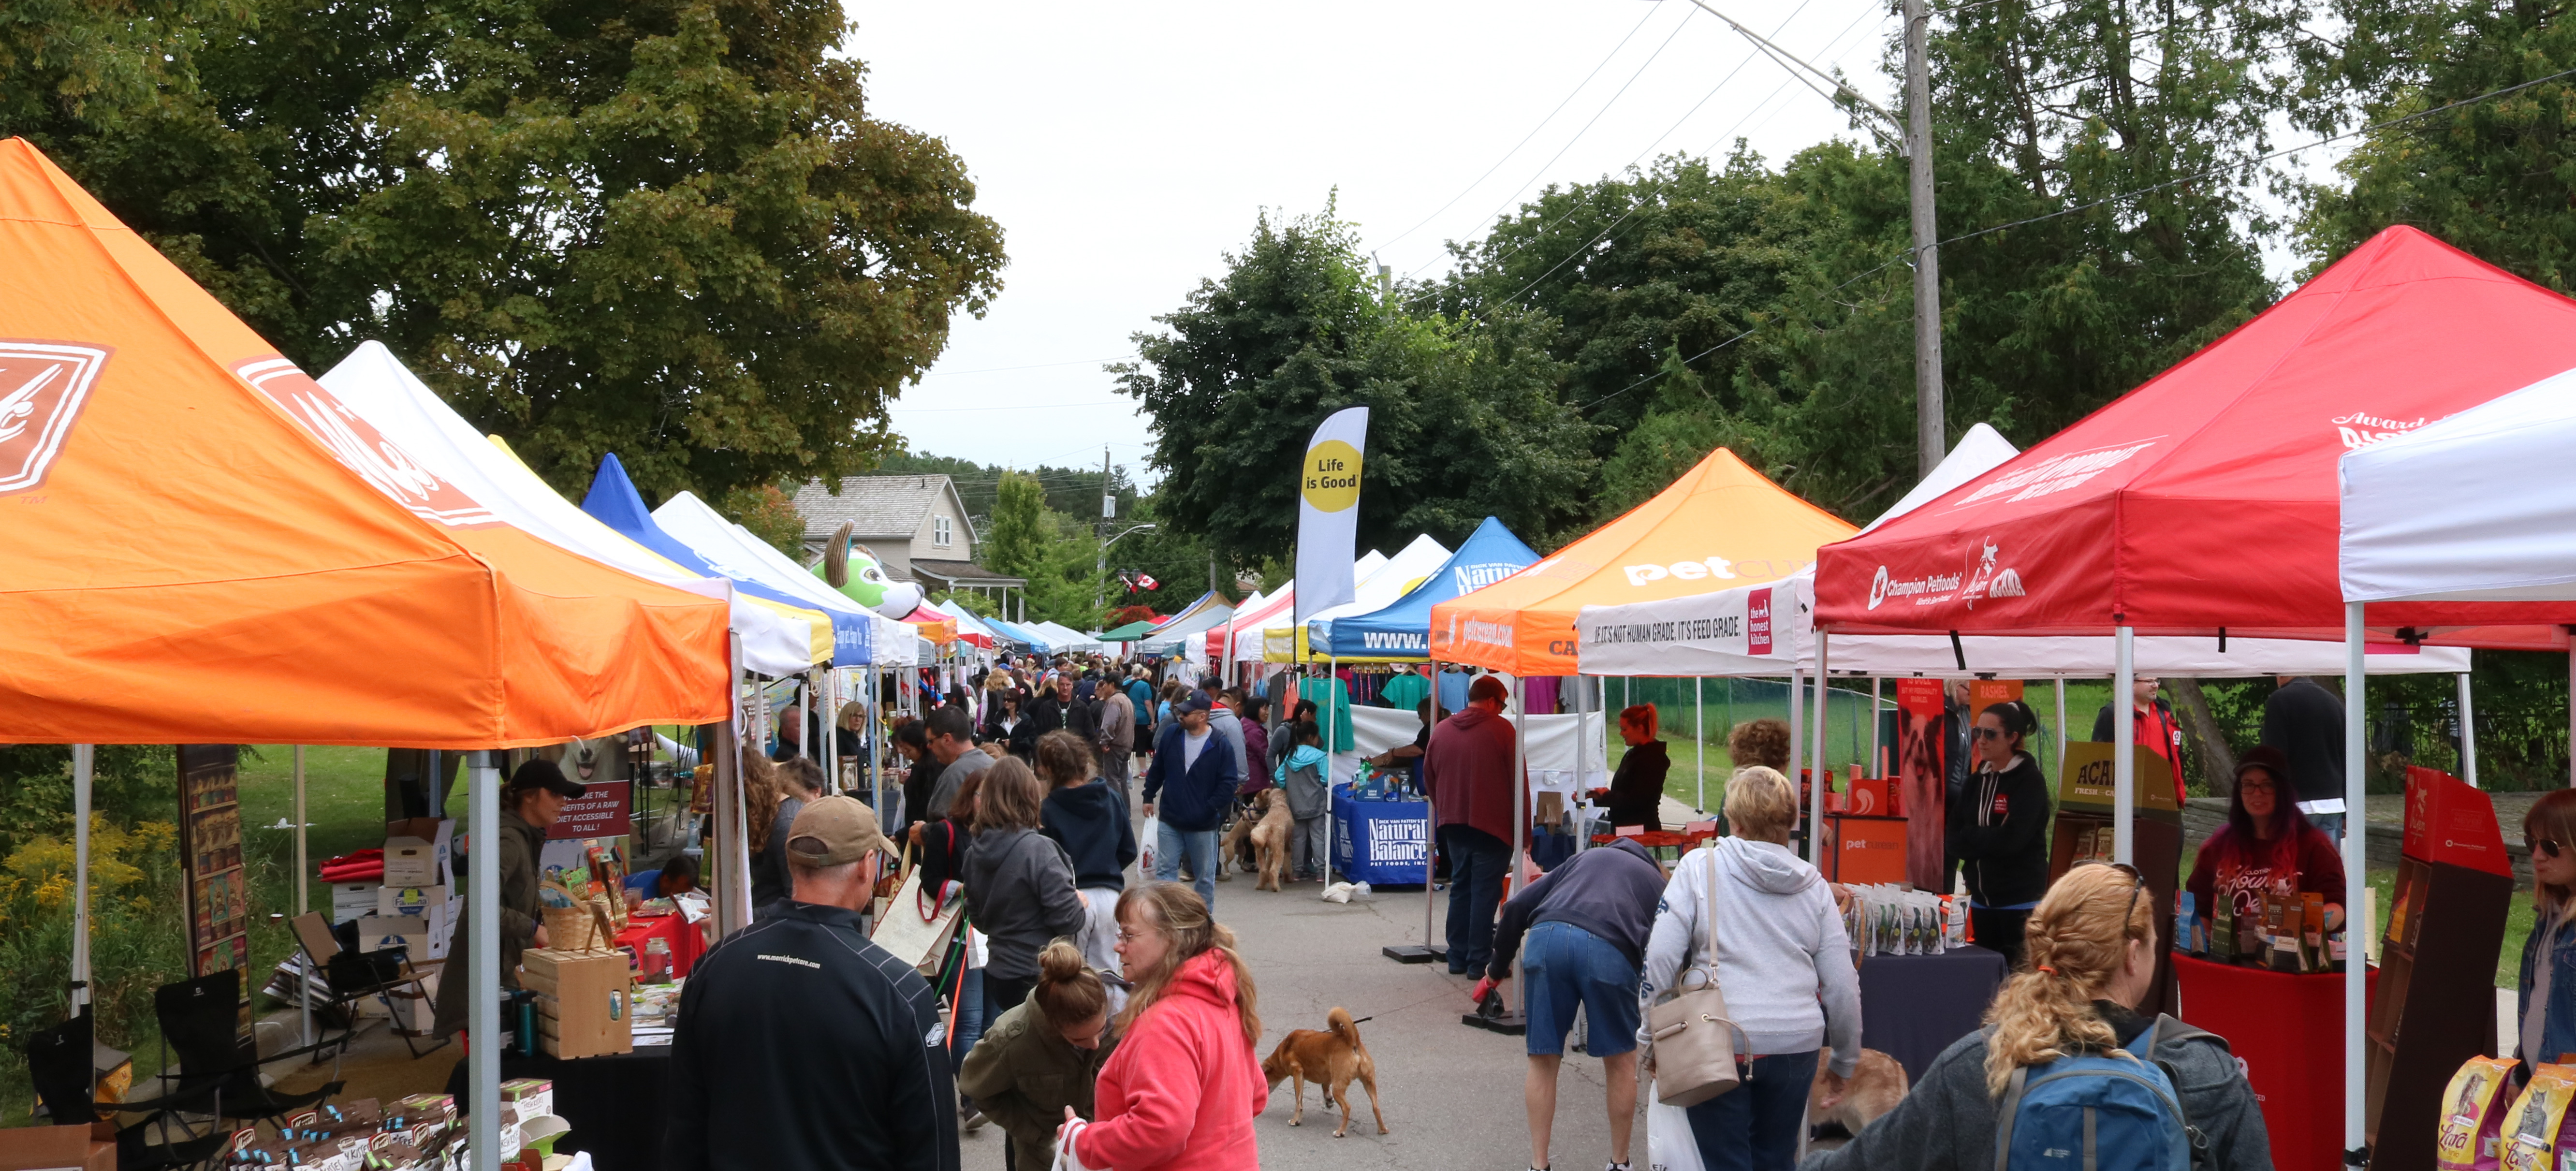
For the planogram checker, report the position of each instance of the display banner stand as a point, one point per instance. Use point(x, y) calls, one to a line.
point(2084, 833)
point(2436, 1003)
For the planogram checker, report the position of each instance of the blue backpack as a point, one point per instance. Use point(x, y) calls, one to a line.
point(2092, 1112)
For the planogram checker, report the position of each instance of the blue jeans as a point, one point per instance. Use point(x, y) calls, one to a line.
point(1201, 845)
point(968, 1014)
point(1477, 861)
point(1754, 1127)
point(1565, 967)
point(2332, 823)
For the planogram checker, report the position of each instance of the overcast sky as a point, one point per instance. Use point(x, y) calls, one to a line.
point(1125, 147)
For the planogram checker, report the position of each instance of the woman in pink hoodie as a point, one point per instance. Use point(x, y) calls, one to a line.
point(1183, 1086)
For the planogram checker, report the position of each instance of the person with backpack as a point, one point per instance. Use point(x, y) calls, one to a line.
point(2063, 1040)
point(1301, 776)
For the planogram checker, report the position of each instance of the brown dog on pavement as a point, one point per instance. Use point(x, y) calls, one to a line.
point(1331, 1059)
point(1235, 853)
point(1270, 839)
point(1874, 1089)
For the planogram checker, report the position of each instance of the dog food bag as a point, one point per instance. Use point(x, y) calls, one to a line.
point(2535, 1132)
point(2473, 1110)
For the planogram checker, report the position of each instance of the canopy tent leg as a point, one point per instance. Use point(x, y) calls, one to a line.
point(1873, 768)
point(84, 770)
point(1797, 739)
point(829, 751)
point(2468, 737)
point(2060, 681)
point(1404, 953)
point(2355, 861)
point(733, 862)
point(2124, 736)
point(1824, 776)
point(304, 889)
point(805, 720)
point(1520, 822)
point(1332, 748)
point(1583, 755)
point(483, 949)
point(1699, 738)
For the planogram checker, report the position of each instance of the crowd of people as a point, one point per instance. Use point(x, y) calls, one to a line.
point(1103, 1021)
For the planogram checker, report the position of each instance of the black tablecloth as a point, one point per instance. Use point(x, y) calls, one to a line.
point(614, 1103)
point(1913, 1007)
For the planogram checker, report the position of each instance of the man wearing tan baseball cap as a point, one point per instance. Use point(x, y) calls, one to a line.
point(789, 1021)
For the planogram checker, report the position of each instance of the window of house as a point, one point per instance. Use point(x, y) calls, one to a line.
point(939, 530)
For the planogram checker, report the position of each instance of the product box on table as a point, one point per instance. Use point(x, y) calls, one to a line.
point(45, 1148)
point(535, 1096)
point(416, 851)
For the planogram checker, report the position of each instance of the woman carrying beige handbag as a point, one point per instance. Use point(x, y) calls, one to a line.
point(1750, 948)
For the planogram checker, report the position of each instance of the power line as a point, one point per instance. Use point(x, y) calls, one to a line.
point(1533, 133)
point(1031, 407)
point(2206, 174)
point(1032, 366)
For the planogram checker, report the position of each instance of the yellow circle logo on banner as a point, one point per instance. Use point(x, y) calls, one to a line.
point(1332, 476)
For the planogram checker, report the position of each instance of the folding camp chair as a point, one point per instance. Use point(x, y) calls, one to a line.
point(350, 977)
point(201, 1023)
point(59, 1064)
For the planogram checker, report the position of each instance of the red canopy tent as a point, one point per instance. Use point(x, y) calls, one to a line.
point(2206, 502)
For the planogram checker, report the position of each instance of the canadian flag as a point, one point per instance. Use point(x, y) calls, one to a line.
point(1145, 581)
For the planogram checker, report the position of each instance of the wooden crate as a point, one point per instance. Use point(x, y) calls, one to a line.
point(585, 1001)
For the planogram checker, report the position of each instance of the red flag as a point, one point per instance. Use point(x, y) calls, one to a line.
point(1146, 581)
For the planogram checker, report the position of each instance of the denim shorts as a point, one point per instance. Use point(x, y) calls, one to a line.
point(1566, 967)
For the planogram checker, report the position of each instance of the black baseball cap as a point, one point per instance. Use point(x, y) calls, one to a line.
point(544, 774)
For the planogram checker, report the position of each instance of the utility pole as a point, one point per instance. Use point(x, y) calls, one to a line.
point(1931, 432)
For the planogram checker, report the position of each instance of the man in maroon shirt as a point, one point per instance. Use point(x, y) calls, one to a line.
point(1468, 771)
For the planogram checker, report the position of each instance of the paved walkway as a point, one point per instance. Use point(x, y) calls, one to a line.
point(1452, 1094)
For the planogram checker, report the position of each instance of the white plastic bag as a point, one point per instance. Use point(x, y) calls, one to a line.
point(1149, 845)
point(1669, 1145)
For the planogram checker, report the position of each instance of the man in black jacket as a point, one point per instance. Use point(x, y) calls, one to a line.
point(800, 1043)
point(2305, 721)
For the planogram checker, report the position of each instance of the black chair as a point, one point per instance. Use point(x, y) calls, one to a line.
point(201, 1023)
point(349, 976)
point(59, 1065)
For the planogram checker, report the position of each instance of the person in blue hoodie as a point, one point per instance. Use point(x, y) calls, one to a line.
point(1193, 776)
point(1301, 776)
point(1085, 815)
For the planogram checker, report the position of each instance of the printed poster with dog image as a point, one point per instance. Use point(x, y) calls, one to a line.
point(1922, 773)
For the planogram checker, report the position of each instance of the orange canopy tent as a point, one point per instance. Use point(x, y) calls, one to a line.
point(203, 545)
point(1720, 526)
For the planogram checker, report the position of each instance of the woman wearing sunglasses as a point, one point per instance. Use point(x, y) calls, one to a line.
point(1999, 828)
point(2093, 961)
point(2547, 991)
point(2266, 845)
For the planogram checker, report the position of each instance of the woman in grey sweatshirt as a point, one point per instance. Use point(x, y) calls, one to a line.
point(1782, 959)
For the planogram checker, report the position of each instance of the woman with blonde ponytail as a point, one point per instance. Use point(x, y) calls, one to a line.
point(1041, 1058)
point(1183, 1087)
point(2091, 960)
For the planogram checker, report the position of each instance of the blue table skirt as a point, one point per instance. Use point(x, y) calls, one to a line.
point(1381, 843)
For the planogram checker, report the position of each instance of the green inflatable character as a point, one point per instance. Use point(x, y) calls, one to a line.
point(853, 569)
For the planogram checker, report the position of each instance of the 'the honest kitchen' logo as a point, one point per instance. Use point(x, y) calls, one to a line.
point(42, 387)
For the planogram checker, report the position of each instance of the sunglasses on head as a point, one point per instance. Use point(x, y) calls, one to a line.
point(2134, 876)
point(2549, 847)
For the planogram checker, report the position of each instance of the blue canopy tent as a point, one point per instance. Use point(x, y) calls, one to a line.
point(1021, 635)
point(615, 502)
point(1401, 630)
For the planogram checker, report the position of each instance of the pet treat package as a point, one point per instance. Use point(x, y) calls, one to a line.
point(2473, 1110)
point(2536, 1136)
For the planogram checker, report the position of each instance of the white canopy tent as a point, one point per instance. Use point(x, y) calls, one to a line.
point(379, 387)
point(1062, 638)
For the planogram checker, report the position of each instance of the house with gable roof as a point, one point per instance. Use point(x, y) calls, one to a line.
point(915, 524)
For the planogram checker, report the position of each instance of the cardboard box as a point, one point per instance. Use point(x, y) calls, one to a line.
point(411, 900)
point(585, 1001)
point(45, 1148)
point(535, 1096)
point(379, 932)
point(353, 900)
point(416, 850)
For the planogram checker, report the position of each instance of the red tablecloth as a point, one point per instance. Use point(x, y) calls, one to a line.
point(686, 942)
point(2287, 1030)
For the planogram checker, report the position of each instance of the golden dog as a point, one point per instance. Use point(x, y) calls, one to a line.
point(1331, 1059)
point(1270, 839)
point(1875, 1088)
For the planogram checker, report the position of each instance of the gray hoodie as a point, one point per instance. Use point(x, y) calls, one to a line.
point(1226, 725)
point(1780, 949)
point(1019, 893)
